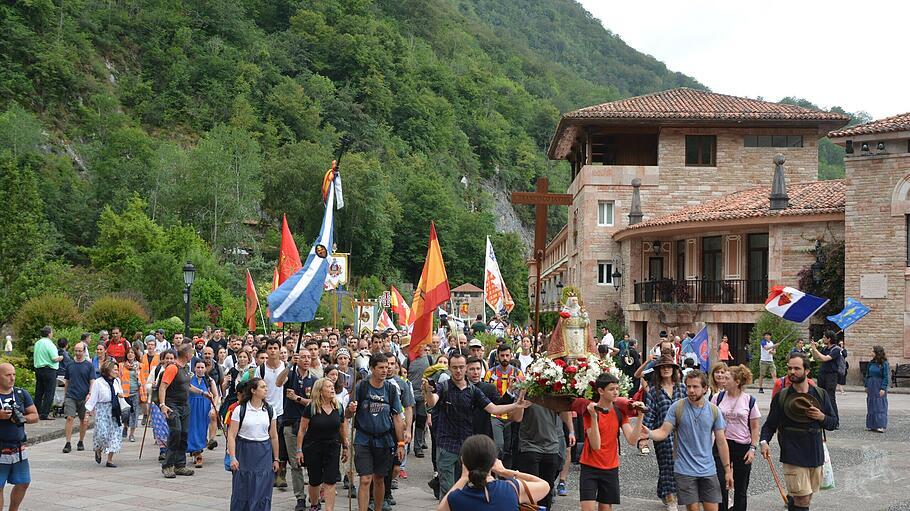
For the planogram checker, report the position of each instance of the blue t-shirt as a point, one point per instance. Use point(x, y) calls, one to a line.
point(696, 428)
point(11, 433)
point(374, 414)
point(80, 376)
point(503, 495)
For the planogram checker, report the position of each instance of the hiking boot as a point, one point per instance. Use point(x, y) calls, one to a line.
point(280, 481)
point(386, 505)
point(561, 489)
point(183, 471)
point(418, 452)
point(80, 446)
point(391, 500)
point(168, 472)
point(301, 505)
point(211, 445)
point(67, 448)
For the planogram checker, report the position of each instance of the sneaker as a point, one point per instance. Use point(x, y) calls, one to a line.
point(418, 453)
point(433, 484)
point(352, 492)
point(386, 505)
point(183, 471)
point(344, 483)
point(301, 505)
point(80, 446)
point(124, 433)
point(403, 474)
point(168, 472)
point(98, 456)
point(161, 456)
point(67, 448)
point(394, 484)
point(761, 391)
point(391, 500)
point(132, 438)
point(211, 445)
point(561, 489)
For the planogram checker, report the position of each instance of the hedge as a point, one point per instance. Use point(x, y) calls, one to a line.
point(58, 311)
point(112, 311)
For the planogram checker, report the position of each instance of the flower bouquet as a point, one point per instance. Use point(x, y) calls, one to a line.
point(555, 384)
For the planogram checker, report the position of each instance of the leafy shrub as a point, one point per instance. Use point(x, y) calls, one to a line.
point(25, 375)
point(170, 326)
point(58, 311)
point(112, 311)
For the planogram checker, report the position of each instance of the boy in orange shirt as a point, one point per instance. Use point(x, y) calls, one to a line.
point(599, 481)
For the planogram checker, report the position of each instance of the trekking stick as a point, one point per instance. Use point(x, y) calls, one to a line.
point(145, 430)
point(776, 479)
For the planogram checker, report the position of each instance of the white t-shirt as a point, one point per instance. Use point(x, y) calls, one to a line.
point(525, 361)
point(608, 340)
point(766, 355)
point(275, 397)
point(255, 425)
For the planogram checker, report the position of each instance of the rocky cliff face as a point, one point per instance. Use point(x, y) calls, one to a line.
point(506, 218)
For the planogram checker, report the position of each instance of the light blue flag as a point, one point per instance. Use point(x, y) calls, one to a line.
point(853, 312)
point(297, 298)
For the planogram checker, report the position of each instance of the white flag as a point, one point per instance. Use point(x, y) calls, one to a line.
point(496, 294)
point(339, 198)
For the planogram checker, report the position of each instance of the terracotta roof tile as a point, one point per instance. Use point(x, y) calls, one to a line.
point(816, 197)
point(691, 104)
point(887, 125)
point(467, 288)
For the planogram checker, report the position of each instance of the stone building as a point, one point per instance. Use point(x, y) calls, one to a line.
point(672, 216)
point(877, 230)
point(467, 301)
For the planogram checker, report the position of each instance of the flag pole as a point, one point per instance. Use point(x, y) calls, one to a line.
point(265, 327)
point(483, 282)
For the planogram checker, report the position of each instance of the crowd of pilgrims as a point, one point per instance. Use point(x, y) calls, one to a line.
point(285, 406)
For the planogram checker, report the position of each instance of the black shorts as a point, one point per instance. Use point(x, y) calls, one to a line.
point(599, 484)
point(322, 462)
point(372, 460)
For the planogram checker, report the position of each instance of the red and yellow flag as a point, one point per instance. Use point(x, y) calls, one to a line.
point(252, 303)
point(400, 307)
point(432, 291)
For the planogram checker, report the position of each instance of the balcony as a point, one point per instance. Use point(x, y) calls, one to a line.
point(670, 291)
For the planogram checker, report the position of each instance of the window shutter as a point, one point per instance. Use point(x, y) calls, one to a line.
point(692, 259)
point(733, 257)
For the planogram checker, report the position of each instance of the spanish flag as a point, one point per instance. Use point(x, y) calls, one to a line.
point(400, 307)
point(432, 291)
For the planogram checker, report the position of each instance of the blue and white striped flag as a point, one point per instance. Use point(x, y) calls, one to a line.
point(297, 298)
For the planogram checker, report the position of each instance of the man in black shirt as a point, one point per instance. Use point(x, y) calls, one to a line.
point(831, 357)
point(799, 426)
point(174, 393)
point(482, 424)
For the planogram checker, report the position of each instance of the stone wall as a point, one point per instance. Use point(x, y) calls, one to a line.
point(876, 243)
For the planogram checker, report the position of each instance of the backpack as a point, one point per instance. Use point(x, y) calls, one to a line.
point(361, 394)
point(265, 404)
point(262, 369)
point(841, 366)
point(677, 411)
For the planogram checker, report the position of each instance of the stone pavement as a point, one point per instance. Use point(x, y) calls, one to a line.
point(872, 472)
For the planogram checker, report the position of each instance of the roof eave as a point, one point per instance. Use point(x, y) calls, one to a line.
point(696, 226)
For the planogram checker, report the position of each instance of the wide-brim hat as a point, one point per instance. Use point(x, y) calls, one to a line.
point(796, 405)
point(404, 341)
point(665, 361)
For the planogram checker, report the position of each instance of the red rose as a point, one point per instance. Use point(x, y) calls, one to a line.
point(571, 370)
point(564, 314)
point(582, 366)
point(557, 387)
point(560, 362)
point(582, 359)
point(542, 382)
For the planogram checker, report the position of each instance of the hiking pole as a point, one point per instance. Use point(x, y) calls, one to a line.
point(776, 479)
point(145, 430)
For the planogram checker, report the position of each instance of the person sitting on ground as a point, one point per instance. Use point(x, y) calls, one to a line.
point(478, 489)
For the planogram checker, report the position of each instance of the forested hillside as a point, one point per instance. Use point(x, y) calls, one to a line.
point(139, 134)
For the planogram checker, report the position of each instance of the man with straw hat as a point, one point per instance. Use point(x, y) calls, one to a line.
point(798, 414)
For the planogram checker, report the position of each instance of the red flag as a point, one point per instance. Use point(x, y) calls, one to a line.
point(288, 257)
point(252, 303)
point(432, 291)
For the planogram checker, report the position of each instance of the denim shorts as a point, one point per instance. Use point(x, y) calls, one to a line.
point(15, 473)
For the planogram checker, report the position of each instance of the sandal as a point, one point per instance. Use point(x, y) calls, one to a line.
point(98, 456)
point(198, 461)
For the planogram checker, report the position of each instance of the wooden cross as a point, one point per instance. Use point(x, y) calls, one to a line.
point(541, 200)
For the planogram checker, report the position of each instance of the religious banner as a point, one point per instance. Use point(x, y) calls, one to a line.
point(496, 295)
point(337, 274)
point(365, 313)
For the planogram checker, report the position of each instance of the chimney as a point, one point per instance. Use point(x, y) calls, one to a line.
point(635, 214)
point(779, 198)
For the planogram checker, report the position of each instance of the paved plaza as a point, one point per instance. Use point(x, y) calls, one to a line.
point(872, 473)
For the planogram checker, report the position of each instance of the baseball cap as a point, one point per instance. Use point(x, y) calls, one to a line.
point(149, 338)
point(475, 344)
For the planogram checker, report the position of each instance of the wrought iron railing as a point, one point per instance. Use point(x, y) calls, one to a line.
point(701, 291)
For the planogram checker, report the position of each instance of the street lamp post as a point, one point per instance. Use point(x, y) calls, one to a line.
point(189, 275)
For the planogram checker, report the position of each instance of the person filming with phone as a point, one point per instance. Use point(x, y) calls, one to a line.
point(16, 409)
